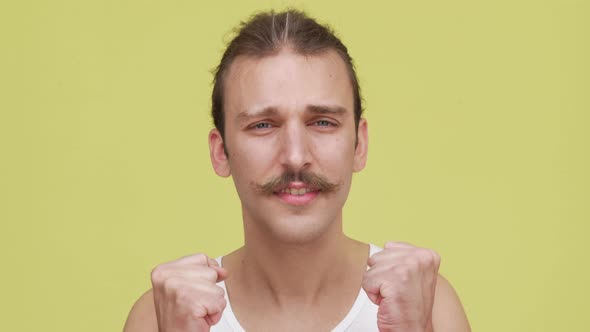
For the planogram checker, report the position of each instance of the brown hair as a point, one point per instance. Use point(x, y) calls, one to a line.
point(266, 34)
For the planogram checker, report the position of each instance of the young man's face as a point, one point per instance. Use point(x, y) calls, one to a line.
point(290, 136)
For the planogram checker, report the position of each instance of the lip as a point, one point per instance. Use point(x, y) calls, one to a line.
point(297, 200)
point(297, 185)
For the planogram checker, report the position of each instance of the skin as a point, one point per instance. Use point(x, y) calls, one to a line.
point(288, 112)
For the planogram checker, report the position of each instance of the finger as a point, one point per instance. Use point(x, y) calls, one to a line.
point(210, 291)
point(434, 280)
point(213, 319)
point(397, 244)
point(372, 285)
point(367, 284)
point(375, 298)
point(222, 273)
point(378, 270)
point(391, 254)
point(214, 310)
point(212, 262)
point(193, 273)
point(200, 259)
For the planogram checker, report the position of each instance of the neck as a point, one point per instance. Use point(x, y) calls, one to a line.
point(297, 273)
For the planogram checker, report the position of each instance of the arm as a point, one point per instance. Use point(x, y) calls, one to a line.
point(184, 297)
point(142, 317)
point(403, 280)
point(447, 312)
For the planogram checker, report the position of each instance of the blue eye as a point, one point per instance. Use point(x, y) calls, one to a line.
point(262, 125)
point(323, 123)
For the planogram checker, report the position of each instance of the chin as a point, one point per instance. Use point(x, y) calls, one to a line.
point(299, 229)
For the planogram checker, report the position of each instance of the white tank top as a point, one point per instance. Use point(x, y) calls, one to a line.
point(361, 317)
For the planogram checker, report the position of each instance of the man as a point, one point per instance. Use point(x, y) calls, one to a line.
point(287, 112)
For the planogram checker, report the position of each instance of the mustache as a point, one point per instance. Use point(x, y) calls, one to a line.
point(313, 180)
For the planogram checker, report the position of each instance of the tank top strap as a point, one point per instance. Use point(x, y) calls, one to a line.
point(373, 249)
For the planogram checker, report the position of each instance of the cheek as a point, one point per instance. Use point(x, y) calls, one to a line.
point(250, 161)
point(336, 154)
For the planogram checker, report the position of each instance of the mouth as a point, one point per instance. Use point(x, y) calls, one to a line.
point(297, 195)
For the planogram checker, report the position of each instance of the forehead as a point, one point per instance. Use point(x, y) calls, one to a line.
point(287, 81)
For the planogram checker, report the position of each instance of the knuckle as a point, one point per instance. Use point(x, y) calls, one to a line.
point(369, 281)
point(209, 274)
point(198, 311)
point(403, 272)
point(219, 292)
point(221, 304)
point(365, 283)
point(436, 257)
point(201, 258)
point(172, 285)
point(425, 256)
point(157, 274)
point(412, 261)
point(424, 253)
point(181, 298)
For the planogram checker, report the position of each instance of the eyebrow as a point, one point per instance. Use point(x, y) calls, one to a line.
point(271, 111)
point(265, 112)
point(326, 109)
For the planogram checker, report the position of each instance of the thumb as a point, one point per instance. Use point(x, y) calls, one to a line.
point(375, 298)
point(222, 273)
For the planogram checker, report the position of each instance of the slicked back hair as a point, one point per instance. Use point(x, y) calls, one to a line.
point(266, 34)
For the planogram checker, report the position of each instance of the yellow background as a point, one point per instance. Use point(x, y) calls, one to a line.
point(478, 114)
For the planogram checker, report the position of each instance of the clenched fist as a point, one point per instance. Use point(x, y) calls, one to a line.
point(401, 280)
point(186, 296)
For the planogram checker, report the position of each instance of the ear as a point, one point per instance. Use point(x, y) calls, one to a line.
point(362, 146)
point(217, 154)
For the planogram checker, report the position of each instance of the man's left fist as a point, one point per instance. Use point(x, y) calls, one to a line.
point(402, 282)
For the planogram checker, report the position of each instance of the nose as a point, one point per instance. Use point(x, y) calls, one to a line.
point(295, 147)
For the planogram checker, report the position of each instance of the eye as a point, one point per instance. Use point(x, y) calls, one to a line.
point(323, 123)
point(262, 125)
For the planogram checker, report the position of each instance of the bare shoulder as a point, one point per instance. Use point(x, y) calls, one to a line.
point(447, 311)
point(142, 317)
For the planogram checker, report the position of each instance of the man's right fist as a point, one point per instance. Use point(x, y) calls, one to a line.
point(186, 296)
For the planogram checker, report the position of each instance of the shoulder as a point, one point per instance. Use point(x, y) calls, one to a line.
point(447, 311)
point(142, 316)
